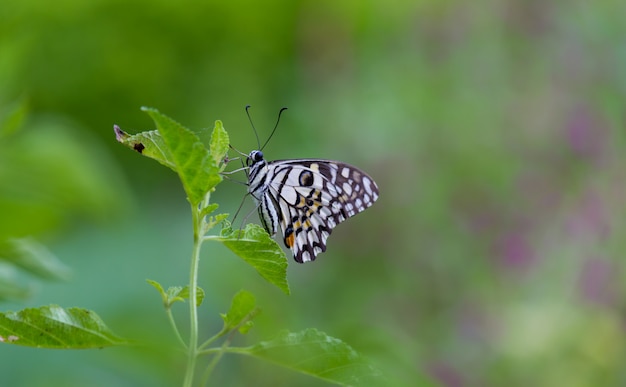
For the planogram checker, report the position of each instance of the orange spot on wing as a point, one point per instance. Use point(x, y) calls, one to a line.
point(289, 240)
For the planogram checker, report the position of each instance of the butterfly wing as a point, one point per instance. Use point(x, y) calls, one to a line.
point(312, 197)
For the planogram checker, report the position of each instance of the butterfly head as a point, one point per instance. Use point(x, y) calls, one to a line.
point(254, 157)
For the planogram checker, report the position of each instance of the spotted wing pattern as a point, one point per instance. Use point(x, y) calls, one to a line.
point(307, 198)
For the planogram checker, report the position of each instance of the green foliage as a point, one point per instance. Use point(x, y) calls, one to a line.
point(310, 352)
point(242, 310)
point(12, 287)
point(29, 256)
point(317, 354)
point(12, 118)
point(184, 294)
point(176, 294)
point(209, 209)
point(255, 246)
point(34, 258)
point(198, 167)
point(149, 144)
point(219, 143)
point(57, 328)
point(48, 174)
point(252, 244)
point(181, 150)
point(496, 134)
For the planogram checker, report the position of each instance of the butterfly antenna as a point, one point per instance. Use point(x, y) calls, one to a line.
point(256, 134)
point(275, 126)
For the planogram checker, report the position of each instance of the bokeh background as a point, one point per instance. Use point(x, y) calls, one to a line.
point(495, 131)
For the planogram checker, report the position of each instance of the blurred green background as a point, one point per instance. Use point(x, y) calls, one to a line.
point(494, 129)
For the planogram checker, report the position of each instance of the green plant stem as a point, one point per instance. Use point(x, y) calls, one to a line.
point(216, 358)
point(170, 317)
point(193, 308)
point(212, 339)
point(237, 350)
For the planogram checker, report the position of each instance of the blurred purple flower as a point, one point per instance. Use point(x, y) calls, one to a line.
point(585, 135)
point(446, 374)
point(598, 282)
point(514, 251)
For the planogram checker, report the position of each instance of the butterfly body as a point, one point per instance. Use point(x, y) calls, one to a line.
point(307, 198)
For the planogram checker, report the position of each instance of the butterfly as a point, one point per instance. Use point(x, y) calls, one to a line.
point(306, 198)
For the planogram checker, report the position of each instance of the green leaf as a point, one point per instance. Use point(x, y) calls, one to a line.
point(214, 220)
point(156, 285)
point(56, 327)
point(208, 209)
point(317, 354)
point(204, 134)
point(180, 149)
point(176, 294)
point(33, 257)
point(196, 168)
point(219, 143)
point(12, 117)
point(159, 288)
point(259, 250)
point(183, 294)
point(149, 144)
point(245, 327)
point(242, 310)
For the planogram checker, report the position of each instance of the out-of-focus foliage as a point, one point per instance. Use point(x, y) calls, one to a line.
point(57, 328)
point(313, 351)
point(494, 129)
point(51, 170)
point(47, 176)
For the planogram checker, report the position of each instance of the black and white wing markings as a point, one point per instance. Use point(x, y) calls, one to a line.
point(311, 197)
